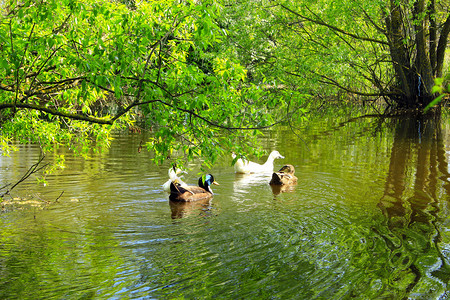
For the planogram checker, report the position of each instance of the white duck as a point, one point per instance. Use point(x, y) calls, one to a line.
point(246, 167)
point(174, 176)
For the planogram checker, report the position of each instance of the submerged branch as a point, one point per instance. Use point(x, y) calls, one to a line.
point(32, 170)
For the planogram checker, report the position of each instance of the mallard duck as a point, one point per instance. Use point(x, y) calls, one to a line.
point(285, 176)
point(193, 193)
point(245, 166)
point(174, 173)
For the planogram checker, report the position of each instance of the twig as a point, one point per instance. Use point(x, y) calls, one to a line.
point(56, 200)
point(33, 169)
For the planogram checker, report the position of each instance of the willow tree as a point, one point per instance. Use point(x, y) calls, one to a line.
point(393, 49)
point(73, 71)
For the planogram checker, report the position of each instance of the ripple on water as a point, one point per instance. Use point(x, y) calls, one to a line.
point(339, 234)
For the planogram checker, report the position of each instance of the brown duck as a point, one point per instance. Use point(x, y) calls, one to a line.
point(193, 193)
point(285, 176)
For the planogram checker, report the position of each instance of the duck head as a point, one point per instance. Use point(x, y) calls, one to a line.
point(205, 181)
point(288, 169)
point(275, 154)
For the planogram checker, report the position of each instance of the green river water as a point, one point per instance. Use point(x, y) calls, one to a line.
point(369, 219)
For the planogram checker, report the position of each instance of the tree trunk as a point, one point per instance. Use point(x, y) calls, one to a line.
point(422, 65)
point(440, 51)
point(399, 53)
point(415, 70)
point(433, 34)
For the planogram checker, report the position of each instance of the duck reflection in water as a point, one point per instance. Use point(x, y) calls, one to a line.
point(184, 209)
point(248, 183)
point(284, 180)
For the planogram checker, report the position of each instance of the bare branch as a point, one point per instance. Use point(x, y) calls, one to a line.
point(32, 170)
point(60, 27)
point(42, 66)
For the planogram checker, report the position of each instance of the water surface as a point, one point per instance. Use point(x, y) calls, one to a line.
point(368, 219)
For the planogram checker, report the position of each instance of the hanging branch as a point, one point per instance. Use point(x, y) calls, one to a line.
point(320, 22)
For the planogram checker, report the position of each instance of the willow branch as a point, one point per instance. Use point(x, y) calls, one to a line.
point(42, 66)
point(322, 23)
point(209, 122)
point(55, 112)
point(331, 81)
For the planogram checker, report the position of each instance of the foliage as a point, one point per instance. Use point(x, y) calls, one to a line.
point(442, 87)
point(373, 49)
point(205, 76)
point(74, 71)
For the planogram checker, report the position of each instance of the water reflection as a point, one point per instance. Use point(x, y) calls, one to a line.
point(369, 219)
point(183, 209)
point(278, 189)
point(410, 205)
point(244, 183)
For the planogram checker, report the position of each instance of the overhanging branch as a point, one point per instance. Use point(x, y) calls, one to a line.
point(110, 121)
point(194, 114)
point(55, 112)
point(334, 28)
point(331, 81)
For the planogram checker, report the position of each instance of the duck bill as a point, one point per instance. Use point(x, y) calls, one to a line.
point(215, 182)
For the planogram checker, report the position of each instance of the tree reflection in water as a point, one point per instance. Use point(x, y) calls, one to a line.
point(411, 206)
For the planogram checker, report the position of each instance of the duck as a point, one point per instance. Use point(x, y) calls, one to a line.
point(174, 173)
point(246, 167)
point(193, 193)
point(285, 176)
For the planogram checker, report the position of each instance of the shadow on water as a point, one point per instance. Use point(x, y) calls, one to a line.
point(415, 182)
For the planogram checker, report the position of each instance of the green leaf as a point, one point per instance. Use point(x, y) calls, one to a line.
point(434, 102)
